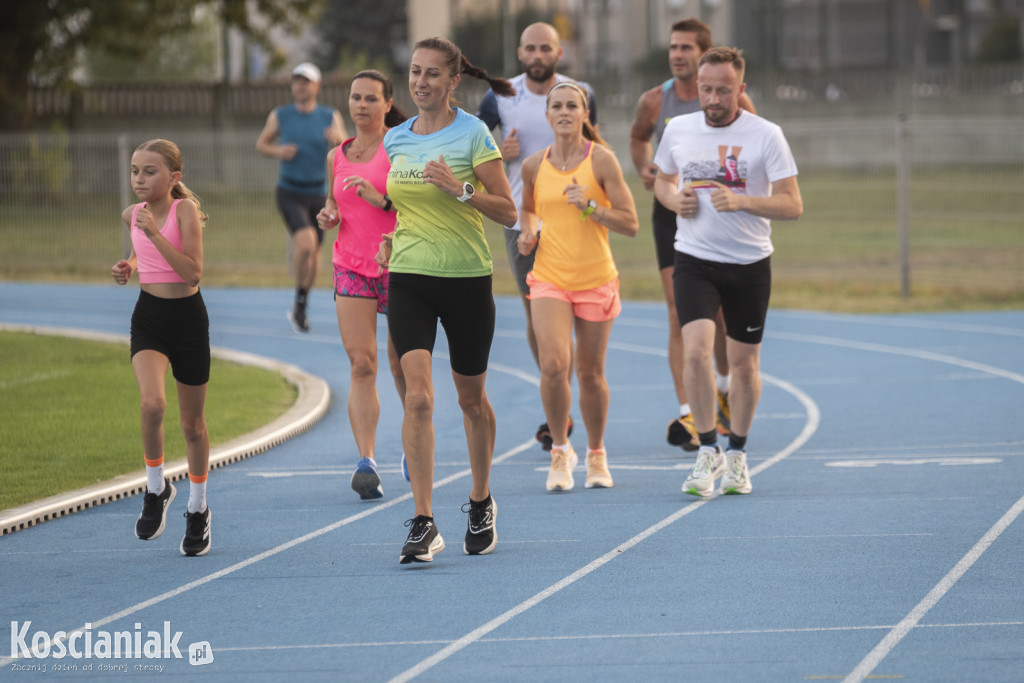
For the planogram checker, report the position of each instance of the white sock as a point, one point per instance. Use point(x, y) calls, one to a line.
point(155, 478)
point(564, 447)
point(684, 409)
point(196, 496)
point(722, 383)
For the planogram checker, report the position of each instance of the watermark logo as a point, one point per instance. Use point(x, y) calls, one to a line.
point(200, 653)
point(88, 644)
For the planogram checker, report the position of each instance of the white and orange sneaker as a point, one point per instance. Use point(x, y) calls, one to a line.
point(563, 462)
point(598, 476)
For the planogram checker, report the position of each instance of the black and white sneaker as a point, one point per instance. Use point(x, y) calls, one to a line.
point(424, 541)
point(197, 533)
point(481, 536)
point(297, 317)
point(150, 523)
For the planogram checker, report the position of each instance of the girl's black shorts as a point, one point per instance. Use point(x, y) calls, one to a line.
point(463, 305)
point(177, 328)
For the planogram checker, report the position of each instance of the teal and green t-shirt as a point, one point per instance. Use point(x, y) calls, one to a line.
point(437, 234)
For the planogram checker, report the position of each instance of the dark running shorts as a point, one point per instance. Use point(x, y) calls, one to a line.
point(177, 328)
point(299, 211)
point(520, 265)
point(464, 305)
point(741, 290)
point(664, 223)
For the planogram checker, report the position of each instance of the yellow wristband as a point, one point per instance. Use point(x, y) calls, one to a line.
point(591, 208)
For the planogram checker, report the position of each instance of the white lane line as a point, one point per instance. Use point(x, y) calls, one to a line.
point(909, 622)
point(611, 636)
point(859, 320)
point(942, 462)
point(811, 425)
point(897, 351)
point(97, 623)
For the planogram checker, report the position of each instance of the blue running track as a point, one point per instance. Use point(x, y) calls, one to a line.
point(883, 538)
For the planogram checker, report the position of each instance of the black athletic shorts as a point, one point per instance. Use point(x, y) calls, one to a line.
point(520, 265)
point(177, 328)
point(464, 305)
point(299, 210)
point(741, 290)
point(664, 222)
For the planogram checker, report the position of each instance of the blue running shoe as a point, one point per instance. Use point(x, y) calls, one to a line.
point(366, 481)
point(405, 469)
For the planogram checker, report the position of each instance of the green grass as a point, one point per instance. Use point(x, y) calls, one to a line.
point(966, 242)
point(71, 413)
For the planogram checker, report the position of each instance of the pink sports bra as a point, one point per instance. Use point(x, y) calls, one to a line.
point(153, 267)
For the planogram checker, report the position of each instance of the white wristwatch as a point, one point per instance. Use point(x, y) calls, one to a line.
point(467, 192)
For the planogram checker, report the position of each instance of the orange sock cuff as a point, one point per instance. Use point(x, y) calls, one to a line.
point(153, 463)
point(198, 478)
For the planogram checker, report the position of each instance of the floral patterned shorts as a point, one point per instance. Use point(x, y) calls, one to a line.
point(351, 283)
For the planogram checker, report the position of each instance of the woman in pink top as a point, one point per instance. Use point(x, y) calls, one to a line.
point(357, 173)
point(170, 328)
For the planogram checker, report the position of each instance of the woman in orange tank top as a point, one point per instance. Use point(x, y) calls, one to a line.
point(575, 189)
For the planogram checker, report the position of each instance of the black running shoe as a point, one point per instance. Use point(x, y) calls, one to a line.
point(544, 435)
point(682, 433)
point(424, 541)
point(481, 536)
point(154, 512)
point(297, 317)
point(197, 533)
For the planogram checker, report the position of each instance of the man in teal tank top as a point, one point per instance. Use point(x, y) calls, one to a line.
point(300, 135)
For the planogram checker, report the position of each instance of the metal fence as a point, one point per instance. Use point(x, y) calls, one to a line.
point(916, 203)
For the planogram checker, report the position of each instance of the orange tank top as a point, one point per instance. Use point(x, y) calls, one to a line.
point(572, 254)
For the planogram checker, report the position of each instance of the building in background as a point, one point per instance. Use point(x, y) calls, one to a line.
point(844, 34)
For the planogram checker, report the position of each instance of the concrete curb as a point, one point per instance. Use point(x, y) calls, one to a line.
point(312, 403)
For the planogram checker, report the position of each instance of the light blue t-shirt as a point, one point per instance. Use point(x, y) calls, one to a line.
point(436, 233)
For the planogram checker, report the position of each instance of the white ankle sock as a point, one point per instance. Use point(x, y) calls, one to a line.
point(196, 496)
point(155, 477)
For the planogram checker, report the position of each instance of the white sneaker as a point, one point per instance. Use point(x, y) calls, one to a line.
point(598, 476)
point(563, 462)
point(736, 478)
point(709, 466)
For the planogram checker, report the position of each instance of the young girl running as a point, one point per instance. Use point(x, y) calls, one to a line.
point(357, 173)
point(169, 327)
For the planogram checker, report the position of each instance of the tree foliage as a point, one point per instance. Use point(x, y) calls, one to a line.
point(480, 37)
point(357, 34)
point(41, 40)
point(1001, 42)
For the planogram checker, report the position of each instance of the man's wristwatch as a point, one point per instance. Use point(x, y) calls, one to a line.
point(591, 208)
point(467, 192)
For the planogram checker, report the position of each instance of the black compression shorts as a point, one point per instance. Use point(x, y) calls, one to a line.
point(463, 305)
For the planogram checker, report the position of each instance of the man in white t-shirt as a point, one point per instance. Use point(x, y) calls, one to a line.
point(725, 173)
point(524, 131)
